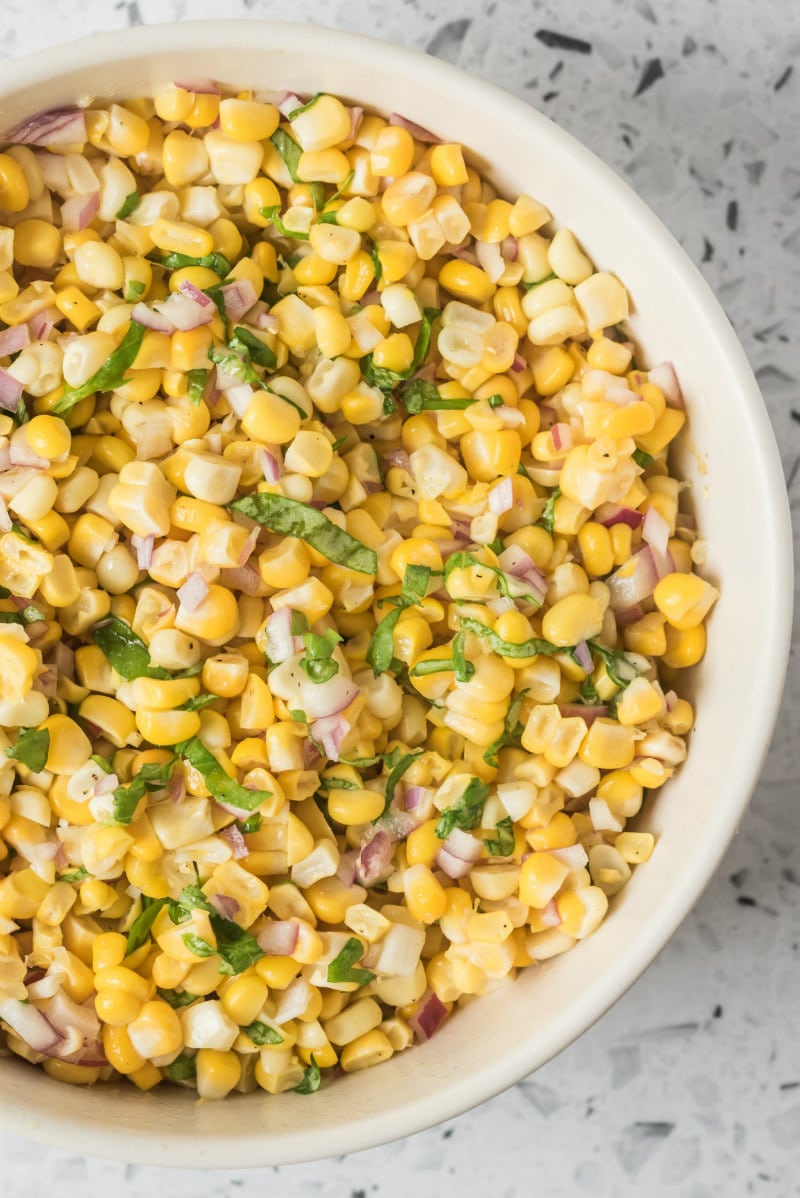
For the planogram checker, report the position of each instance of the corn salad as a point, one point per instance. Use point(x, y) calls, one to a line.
point(345, 588)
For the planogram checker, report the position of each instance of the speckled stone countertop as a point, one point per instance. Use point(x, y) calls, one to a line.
point(690, 1087)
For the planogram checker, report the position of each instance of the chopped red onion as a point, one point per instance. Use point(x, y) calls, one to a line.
point(57, 127)
point(267, 322)
point(278, 937)
point(176, 787)
point(374, 862)
point(609, 514)
point(416, 131)
point(289, 103)
point(418, 799)
point(239, 298)
point(193, 591)
point(185, 313)
point(549, 915)
point(10, 392)
point(249, 545)
point(144, 550)
point(329, 732)
point(396, 457)
point(656, 531)
point(428, 1017)
point(194, 293)
point(79, 211)
point(106, 784)
point(271, 466)
point(630, 586)
point(573, 856)
point(583, 656)
point(458, 854)
point(356, 117)
point(20, 455)
point(242, 578)
point(501, 497)
point(311, 754)
point(670, 700)
point(587, 712)
point(28, 1022)
point(465, 252)
point(64, 659)
point(519, 364)
point(514, 560)
point(225, 904)
point(664, 376)
point(71, 1019)
point(346, 869)
point(509, 248)
point(41, 323)
point(562, 436)
point(200, 87)
point(13, 339)
point(151, 319)
point(239, 812)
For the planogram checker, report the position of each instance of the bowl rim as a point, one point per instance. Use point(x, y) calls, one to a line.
point(452, 1098)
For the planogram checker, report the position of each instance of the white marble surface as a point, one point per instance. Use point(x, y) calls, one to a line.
point(690, 1087)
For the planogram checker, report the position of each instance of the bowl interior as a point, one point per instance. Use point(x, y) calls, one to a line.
point(729, 457)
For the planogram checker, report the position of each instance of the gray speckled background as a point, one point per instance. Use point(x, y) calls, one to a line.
point(690, 1087)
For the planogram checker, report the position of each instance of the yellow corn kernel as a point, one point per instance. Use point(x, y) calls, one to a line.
point(14, 191)
point(217, 1072)
point(596, 548)
point(116, 1007)
point(37, 243)
point(354, 806)
point(278, 972)
point(243, 997)
point(270, 419)
point(647, 635)
point(608, 745)
point(425, 896)
point(167, 727)
point(73, 1075)
point(540, 878)
point(447, 165)
point(70, 747)
point(179, 237)
point(679, 718)
point(575, 618)
point(684, 647)
point(370, 1049)
point(684, 599)
point(392, 152)
point(466, 281)
point(108, 948)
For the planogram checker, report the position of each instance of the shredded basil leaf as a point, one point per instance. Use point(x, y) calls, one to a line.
point(529, 648)
point(317, 195)
point(305, 107)
point(398, 768)
point(21, 415)
point(420, 396)
point(140, 928)
point(215, 261)
point(311, 1078)
point(503, 844)
point(511, 734)
point(237, 363)
point(76, 875)
point(126, 651)
point(464, 669)
point(133, 290)
point(318, 663)
point(222, 787)
point(154, 775)
point(538, 283)
point(251, 824)
point(298, 716)
point(642, 459)
point(466, 812)
point(272, 214)
point(327, 218)
point(299, 623)
point(110, 375)
point(182, 1069)
point(548, 515)
point(177, 998)
point(259, 352)
point(31, 748)
point(130, 204)
point(376, 261)
point(236, 946)
point(386, 380)
point(612, 659)
point(289, 151)
point(197, 381)
point(198, 945)
point(198, 702)
point(291, 518)
point(380, 652)
point(341, 967)
point(261, 1033)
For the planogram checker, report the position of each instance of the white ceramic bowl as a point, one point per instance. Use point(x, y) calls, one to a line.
point(729, 456)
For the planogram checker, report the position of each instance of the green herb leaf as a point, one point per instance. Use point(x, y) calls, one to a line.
point(76, 875)
point(619, 667)
point(140, 928)
point(317, 195)
point(198, 702)
point(289, 151)
point(133, 290)
point(305, 107)
point(237, 363)
point(259, 353)
point(642, 459)
point(337, 784)
point(538, 283)
point(398, 769)
point(380, 651)
point(464, 669)
point(154, 775)
point(299, 623)
point(420, 396)
point(223, 788)
point(529, 648)
point(318, 663)
point(327, 218)
point(376, 261)
point(251, 824)
point(177, 998)
point(512, 731)
point(27, 615)
point(110, 375)
point(272, 214)
point(341, 967)
point(548, 515)
point(21, 415)
point(31, 748)
point(466, 811)
point(290, 518)
point(182, 1069)
point(103, 762)
point(261, 1033)
point(386, 380)
point(311, 1078)
point(130, 205)
point(198, 945)
point(338, 443)
point(298, 716)
point(215, 261)
point(236, 946)
point(197, 381)
point(507, 585)
point(126, 651)
point(503, 844)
